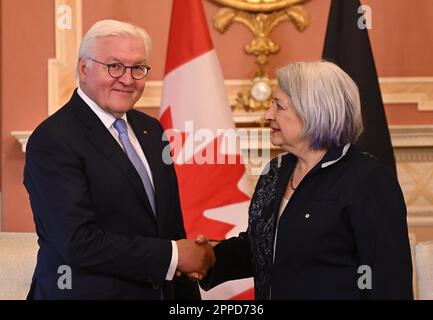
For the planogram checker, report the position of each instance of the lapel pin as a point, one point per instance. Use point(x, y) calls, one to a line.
point(145, 131)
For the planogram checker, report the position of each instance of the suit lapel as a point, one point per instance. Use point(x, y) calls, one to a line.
point(102, 139)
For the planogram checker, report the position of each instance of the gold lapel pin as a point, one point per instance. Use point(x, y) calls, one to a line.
point(145, 131)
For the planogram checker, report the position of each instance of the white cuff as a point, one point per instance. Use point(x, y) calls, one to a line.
point(173, 263)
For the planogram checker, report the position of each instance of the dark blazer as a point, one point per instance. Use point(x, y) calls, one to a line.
point(347, 212)
point(92, 213)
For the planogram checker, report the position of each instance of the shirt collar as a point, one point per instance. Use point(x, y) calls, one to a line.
point(332, 156)
point(106, 117)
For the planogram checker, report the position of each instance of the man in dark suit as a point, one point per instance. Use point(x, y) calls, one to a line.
point(105, 202)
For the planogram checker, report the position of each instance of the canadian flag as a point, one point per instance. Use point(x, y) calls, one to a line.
point(197, 119)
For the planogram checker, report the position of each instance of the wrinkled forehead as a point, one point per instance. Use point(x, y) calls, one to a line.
point(128, 49)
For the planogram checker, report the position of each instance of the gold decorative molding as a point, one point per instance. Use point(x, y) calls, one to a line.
point(261, 25)
point(260, 17)
point(258, 5)
point(61, 70)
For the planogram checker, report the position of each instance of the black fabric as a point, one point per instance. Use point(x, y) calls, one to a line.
point(348, 46)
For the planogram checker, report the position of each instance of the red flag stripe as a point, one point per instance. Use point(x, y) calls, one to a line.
point(213, 202)
point(188, 35)
point(246, 295)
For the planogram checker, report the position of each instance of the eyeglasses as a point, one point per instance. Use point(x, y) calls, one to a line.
point(117, 69)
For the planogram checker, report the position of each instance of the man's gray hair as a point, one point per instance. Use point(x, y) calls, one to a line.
point(107, 28)
point(326, 99)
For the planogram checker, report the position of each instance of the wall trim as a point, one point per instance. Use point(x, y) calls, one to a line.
point(62, 69)
point(400, 90)
point(22, 137)
point(419, 221)
point(1, 211)
point(420, 216)
point(401, 136)
point(411, 135)
point(395, 90)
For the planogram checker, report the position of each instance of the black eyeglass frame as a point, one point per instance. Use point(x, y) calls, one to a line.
point(110, 65)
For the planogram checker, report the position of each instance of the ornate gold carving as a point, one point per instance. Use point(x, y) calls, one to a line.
point(260, 17)
point(258, 5)
point(259, 97)
point(261, 25)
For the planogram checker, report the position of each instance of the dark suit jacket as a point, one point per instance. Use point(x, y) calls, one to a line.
point(347, 212)
point(91, 210)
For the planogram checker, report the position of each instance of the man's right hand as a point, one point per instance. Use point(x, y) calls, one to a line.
point(195, 257)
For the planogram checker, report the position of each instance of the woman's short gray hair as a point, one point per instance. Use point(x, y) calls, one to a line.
point(327, 101)
point(107, 28)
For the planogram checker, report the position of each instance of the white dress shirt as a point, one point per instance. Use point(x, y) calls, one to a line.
point(108, 121)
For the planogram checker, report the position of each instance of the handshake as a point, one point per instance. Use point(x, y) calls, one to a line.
point(196, 257)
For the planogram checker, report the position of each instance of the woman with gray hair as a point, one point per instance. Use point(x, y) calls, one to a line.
point(326, 220)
